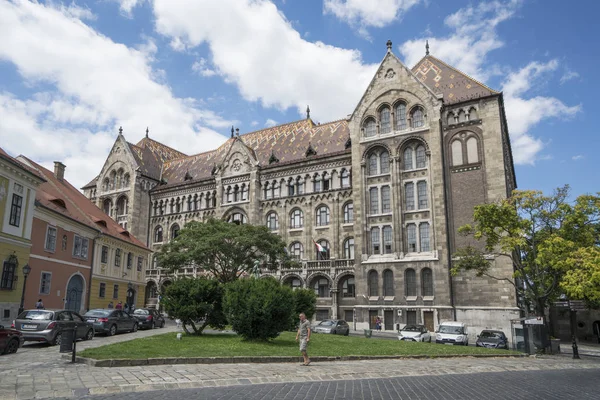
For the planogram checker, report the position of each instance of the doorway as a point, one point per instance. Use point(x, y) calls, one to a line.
point(130, 300)
point(349, 316)
point(388, 320)
point(372, 318)
point(428, 320)
point(74, 293)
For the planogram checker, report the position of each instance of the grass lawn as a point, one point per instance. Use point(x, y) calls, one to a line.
point(227, 345)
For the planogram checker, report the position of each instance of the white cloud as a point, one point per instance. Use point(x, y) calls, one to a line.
point(201, 68)
point(254, 123)
point(254, 47)
point(568, 75)
point(98, 85)
point(362, 14)
point(127, 6)
point(578, 157)
point(524, 113)
point(474, 36)
point(270, 122)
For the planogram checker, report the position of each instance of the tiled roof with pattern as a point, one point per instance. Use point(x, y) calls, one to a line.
point(455, 85)
point(288, 143)
point(150, 155)
point(77, 206)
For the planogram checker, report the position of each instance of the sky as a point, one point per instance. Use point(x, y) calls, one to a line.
point(73, 72)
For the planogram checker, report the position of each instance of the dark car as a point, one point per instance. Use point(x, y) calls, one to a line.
point(47, 326)
point(492, 339)
point(10, 340)
point(148, 318)
point(334, 326)
point(110, 321)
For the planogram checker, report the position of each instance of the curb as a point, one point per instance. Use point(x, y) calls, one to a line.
point(265, 359)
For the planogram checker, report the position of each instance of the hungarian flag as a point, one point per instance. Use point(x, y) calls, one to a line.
point(320, 248)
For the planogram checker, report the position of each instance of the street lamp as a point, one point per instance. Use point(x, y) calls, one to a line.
point(26, 271)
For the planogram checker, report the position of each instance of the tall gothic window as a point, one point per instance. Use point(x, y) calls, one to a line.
point(388, 283)
point(457, 156)
point(384, 120)
point(297, 250)
point(348, 212)
point(374, 200)
point(370, 128)
point(408, 158)
point(400, 116)
point(422, 194)
point(384, 160)
point(472, 153)
point(426, 282)
point(387, 239)
point(373, 282)
point(158, 234)
point(410, 280)
point(296, 218)
point(322, 216)
point(409, 196)
point(272, 221)
point(421, 157)
point(349, 249)
point(411, 237)
point(348, 287)
point(418, 118)
point(373, 161)
point(375, 243)
point(386, 205)
point(424, 236)
point(345, 179)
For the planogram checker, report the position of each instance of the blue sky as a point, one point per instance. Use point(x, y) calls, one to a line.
point(72, 72)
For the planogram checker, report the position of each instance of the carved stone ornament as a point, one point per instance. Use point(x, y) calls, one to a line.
point(237, 165)
point(390, 74)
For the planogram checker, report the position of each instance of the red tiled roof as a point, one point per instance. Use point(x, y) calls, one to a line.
point(78, 207)
point(456, 86)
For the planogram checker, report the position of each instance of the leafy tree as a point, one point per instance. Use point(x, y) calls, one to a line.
point(224, 250)
point(197, 302)
point(550, 242)
point(306, 302)
point(259, 309)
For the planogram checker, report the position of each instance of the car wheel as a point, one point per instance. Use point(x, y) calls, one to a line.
point(57, 339)
point(347, 332)
point(162, 324)
point(11, 347)
point(89, 335)
point(135, 328)
point(112, 331)
point(429, 339)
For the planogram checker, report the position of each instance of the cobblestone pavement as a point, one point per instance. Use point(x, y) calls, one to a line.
point(527, 385)
point(38, 371)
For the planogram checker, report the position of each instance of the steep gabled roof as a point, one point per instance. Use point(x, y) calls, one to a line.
point(55, 193)
point(150, 155)
point(454, 85)
point(287, 142)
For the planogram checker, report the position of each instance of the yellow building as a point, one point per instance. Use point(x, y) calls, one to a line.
point(18, 186)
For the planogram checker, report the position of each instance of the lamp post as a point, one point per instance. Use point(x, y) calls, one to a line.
point(26, 271)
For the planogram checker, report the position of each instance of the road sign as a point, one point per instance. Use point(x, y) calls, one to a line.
point(577, 305)
point(561, 304)
point(534, 321)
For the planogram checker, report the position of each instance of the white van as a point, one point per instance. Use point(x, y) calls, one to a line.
point(452, 332)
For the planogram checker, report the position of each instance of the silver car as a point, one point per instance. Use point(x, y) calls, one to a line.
point(414, 333)
point(334, 326)
point(48, 326)
point(111, 321)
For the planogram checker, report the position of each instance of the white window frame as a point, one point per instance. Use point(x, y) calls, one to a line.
point(48, 228)
point(81, 250)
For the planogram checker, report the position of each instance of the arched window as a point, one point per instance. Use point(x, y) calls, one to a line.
point(348, 287)
point(450, 120)
point(422, 194)
point(388, 283)
point(325, 253)
point(268, 193)
point(272, 221)
point(411, 237)
point(322, 215)
point(473, 114)
point(237, 218)
point(177, 205)
point(345, 179)
point(107, 207)
point(373, 283)
point(374, 201)
point(348, 213)
point(213, 199)
point(408, 158)
point(384, 160)
point(172, 206)
point(291, 187)
point(400, 116)
point(472, 153)
point(294, 283)
point(321, 286)
point(229, 194)
point(387, 239)
point(426, 282)
point(370, 128)
point(106, 185)
point(158, 234)
point(375, 242)
point(162, 207)
point(190, 203)
point(125, 182)
point(457, 157)
point(317, 183)
point(409, 196)
point(297, 250)
point(421, 157)
point(300, 184)
point(410, 280)
point(155, 208)
point(174, 231)
point(373, 161)
point(349, 249)
point(462, 117)
point(386, 204)
point(296, 218)
point(424, 236)
point(385, 124)
point(418, 117)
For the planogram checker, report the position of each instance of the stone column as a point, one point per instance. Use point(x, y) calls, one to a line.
point(334, 306)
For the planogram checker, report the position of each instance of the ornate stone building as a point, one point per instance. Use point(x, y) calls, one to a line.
point(382, 193)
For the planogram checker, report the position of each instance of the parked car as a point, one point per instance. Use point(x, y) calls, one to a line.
point(452, 332)
point(10, 340)
point(148, 318)
point(334, 326)
point(414, 333)
point(110, 321)
point(492, 339)
point(47, 326)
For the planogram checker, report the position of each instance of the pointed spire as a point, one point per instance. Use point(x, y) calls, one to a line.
point(120, 130)
point(427, 47)
point(307, 112)
point(231, 130)
point(147, 132)
point(389, 46)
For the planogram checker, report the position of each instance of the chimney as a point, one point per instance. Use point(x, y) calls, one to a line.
point(59, 170)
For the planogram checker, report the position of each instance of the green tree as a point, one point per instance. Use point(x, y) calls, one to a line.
point(197, 302)
point(306, 302)
point(224, 250)
point(259, 309)
point(549, 241)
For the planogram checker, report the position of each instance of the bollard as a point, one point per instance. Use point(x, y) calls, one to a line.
point(575, 349)
point(74, 344)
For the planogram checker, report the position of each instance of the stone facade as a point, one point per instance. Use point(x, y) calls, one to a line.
point(383, 193)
